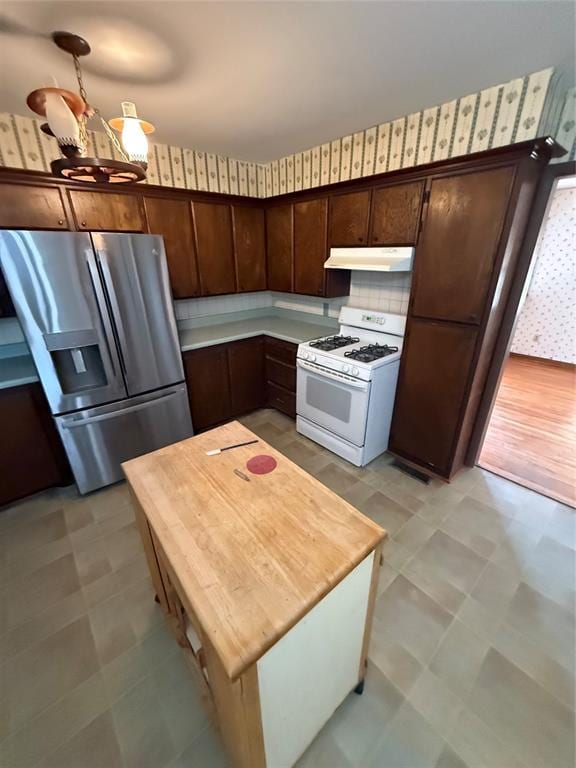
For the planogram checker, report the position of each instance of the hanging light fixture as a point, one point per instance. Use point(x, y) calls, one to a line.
point(67, 114)
point(133, 131)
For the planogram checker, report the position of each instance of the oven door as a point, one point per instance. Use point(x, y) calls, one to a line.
point(336, 402)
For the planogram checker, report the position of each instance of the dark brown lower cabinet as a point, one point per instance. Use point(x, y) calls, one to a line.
point(281, 376)
point(436, 370)
point(32, 457)
point(225, 381)
point(246, 366)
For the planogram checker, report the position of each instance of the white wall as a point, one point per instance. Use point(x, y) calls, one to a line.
point(547, 322)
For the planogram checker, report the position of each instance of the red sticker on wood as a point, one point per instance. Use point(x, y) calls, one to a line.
point(262, 464)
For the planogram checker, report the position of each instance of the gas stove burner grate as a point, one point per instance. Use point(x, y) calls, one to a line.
point(370, 352)
point(333, 342)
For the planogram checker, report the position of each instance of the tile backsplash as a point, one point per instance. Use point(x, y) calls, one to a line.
point(384, 291)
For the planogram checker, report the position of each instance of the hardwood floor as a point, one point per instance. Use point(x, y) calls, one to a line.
point(531, 438)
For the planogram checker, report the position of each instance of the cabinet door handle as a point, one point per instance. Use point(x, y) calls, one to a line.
point(60, 221)
point(82, 223)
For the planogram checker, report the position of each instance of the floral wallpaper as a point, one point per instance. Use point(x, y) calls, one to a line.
point(547, 322)
point(521, 109)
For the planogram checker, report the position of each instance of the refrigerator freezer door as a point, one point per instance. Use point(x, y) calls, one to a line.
point(58, 295)
point(98, 440)
point(135, 277)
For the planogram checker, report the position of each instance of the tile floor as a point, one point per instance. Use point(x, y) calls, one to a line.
point(472, 655)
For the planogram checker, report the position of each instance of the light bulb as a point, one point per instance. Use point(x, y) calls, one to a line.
point(134, 140)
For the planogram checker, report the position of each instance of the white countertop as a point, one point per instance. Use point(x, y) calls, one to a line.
point(286, 328)
point(294, 327)
point(15, 371)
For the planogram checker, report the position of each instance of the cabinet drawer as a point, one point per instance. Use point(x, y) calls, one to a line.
point(282, 400)
point(281, 373)
point(284, 351)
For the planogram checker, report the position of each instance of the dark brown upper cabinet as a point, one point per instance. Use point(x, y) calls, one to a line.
point(23, 206)
point(459, 244)
point(214, 248)
point(434, 376)
point(249, 248)
point(173, 220)
point(247, 383)
point(280, 247)
point(310, 222)
point(349, 216)
point(396, 214)
point(107, 211)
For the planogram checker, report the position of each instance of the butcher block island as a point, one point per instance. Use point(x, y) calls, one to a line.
point(268, 580)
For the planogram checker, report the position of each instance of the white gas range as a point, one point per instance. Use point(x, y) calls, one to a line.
point(346, 384)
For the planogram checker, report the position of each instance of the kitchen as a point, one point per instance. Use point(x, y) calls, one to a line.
point(354, 326)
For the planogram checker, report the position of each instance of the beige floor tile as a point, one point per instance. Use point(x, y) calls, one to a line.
point(532, 660)
point(337, 479)
point(357, 724)
point(144, 736)
point(102, 589)
point(479, 747)
point(95, 746)
point(323, 753)
point(523, 505)
point(481, 620)
point(523, 715)
point(33, 534)
point(16, 570)
point(545, 623)
point(552, 571)
point(122, 545)
point(387, 513)
point(111, 628)
point(459, 658)
point(414, 535)
point(409, 741)
point(91, 562)
point(449, 759)
point(29, 509)
point(431, 697)
point(517, 547)
point(42, 625)
point(298, 452)
point(413, 618)
point(108, 501)
point(392, 658)
point(39, 590)
point(476, 525)
point(562, 526)
point(48, 670)
point(495, 589)
point(57, 724)
point(77, 513)
point(206, 751)
point(386, 577)
point(447, 569)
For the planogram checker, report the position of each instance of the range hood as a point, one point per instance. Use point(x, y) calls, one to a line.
point(391, 259)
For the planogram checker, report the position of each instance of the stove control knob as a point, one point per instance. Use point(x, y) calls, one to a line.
point(345, 368)
point(354, 371)
point(312, 358)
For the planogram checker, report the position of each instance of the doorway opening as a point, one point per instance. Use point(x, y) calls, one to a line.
point(531, 434)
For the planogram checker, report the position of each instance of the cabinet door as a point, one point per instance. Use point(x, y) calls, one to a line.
point(246, 361)
point(459, 244)
point(31, 454)
point(107, 211)
point(249, 248)
point(349, 218)
point(434, 376)
point(173, 220)
point(214, 248)
point(310, 220)
point(23, 206)
point(280, 247)
point(396, 214)
point(208, 383)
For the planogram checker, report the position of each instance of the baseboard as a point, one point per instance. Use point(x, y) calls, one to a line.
point(545, 360)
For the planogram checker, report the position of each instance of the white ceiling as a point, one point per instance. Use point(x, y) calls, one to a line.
point(259, 80)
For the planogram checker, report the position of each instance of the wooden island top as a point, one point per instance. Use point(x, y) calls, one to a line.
point(251, 557)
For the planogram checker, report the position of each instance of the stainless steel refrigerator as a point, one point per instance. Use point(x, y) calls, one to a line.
point(97, 313)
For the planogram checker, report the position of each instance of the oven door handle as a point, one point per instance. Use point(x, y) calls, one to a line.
point(346, 381)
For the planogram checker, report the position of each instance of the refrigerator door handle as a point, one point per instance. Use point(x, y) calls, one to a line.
point(82, 422)
point(112, 300)
point(97, 286)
